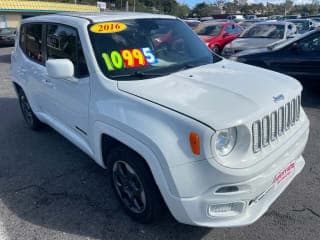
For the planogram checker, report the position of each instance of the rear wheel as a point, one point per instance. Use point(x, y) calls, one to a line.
point(134, 185)
point(32, 121)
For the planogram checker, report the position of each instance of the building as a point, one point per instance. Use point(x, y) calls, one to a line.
point(12, 11)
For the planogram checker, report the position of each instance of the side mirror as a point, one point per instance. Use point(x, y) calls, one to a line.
point(225, 34)
point(60, 68)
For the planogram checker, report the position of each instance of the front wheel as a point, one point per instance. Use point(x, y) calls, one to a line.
point(134, 185)
point(32, 121)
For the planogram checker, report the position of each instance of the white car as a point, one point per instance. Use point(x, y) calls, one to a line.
point(213, 140)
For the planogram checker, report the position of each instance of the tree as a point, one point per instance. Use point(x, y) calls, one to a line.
point(182, 10)
point(201, 10)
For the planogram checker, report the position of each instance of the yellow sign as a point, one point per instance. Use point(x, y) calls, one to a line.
point(108, 27)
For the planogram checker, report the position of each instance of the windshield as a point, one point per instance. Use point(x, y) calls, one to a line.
point(302, 26)
point(7, 31)
point(208, 30)
point(145, 48)
point(273, 31)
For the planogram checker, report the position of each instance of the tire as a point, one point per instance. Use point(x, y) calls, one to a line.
point(216, 49)
point(30, 118)
point(134, 186)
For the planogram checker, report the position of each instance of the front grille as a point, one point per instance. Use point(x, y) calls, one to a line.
point(275, 124)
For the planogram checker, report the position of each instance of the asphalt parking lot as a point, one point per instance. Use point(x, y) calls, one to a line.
point(49, 189)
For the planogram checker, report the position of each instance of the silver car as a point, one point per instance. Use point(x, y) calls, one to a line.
point(260, 35)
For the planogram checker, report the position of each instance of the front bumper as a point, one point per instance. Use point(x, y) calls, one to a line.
point(257, 194)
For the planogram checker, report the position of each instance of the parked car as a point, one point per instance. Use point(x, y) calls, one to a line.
point(236, 18)
point(251, 17)
point(299, 57)
point(316, 22)
point(192, 23)
point(260, 35)
point(217, 34)
point(7, 36)
point(174, 124)
point(248, 23)
point(303, 25)
point(290, 17)
point(276, 17)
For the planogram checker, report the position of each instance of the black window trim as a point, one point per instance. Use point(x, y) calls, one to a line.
point(78, 44)
point(44, 44)
point(42, 63)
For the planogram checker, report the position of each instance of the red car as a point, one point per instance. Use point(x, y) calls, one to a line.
point(217, 34)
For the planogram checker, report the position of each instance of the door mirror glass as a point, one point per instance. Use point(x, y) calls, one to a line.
point(60, 68)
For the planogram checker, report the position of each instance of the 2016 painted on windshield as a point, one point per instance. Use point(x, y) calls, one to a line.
point(129, 58)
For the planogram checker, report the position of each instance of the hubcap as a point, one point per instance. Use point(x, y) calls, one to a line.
point(129, 187)
point(26, 110)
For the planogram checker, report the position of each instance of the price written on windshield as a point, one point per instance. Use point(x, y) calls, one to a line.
point(129, 58)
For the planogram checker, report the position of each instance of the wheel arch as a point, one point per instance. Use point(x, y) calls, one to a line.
point(112, 136)
point(17, 87)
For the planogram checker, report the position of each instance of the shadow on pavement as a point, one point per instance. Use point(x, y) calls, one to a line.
point(48, 182)
point(311, 95)
point(5, 58)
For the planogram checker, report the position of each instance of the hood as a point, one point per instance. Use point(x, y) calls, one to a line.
point(240, 44)
point(221, 95)
point(206, 38)
point(252, 51)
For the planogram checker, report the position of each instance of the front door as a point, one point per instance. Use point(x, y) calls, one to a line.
point(300, 59)
point(68, 99)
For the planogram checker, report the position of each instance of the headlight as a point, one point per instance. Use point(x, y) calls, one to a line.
point(225, 141)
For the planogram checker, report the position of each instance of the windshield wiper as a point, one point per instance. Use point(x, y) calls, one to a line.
point(188, 66)
point(138, 74)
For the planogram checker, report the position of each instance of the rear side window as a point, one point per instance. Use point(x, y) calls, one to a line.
point(22, 40)
point(63, 42)
point(33, 42)
point(238, 29)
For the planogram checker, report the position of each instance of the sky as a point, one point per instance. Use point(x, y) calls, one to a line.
point(192, 3)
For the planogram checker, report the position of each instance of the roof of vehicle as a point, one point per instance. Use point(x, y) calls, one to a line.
point(213, 22)
point(298, 20)
point(273, 23)
point(102, 16)
point(191, 20)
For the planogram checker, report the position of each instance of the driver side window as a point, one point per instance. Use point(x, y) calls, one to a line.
point(311, 44)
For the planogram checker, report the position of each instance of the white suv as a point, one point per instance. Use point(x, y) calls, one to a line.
point(214, 140)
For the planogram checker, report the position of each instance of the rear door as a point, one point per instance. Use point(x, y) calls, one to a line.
point(68, 99)
point(30, 67)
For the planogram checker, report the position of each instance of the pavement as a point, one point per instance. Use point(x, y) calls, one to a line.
point(49, 189)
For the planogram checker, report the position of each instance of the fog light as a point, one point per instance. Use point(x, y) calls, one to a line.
point(226, 209)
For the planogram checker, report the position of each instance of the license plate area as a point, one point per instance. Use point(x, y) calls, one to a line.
point(284, 173)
